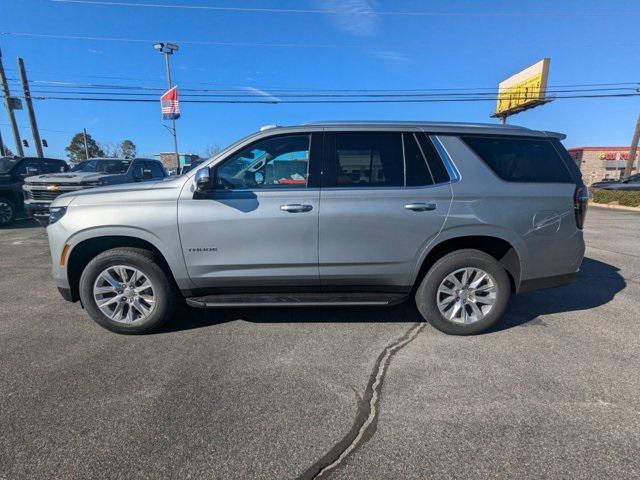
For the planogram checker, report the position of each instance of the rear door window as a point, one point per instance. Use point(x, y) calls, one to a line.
point(436, 165)
point(369, 160)
point(531, 160)
point(417, 170)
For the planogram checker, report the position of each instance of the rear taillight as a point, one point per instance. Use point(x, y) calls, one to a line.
point(580, 202)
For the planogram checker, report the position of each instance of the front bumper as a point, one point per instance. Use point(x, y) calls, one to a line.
point(37, 210)
point(66, 294)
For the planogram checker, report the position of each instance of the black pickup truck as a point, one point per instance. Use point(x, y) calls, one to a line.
point(13, 171)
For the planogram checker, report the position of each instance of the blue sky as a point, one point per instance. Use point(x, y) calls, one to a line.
point(330, 45)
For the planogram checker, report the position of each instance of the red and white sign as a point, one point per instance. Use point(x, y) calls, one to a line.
point(169, 104)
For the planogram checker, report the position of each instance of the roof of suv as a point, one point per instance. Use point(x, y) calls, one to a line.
point(435, 127)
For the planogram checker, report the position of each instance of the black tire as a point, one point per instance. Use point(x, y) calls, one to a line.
point(7, 211)
point(143, 260)
point(426, 294)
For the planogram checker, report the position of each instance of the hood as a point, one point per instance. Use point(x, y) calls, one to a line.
point(69, 177)
point(121, 193)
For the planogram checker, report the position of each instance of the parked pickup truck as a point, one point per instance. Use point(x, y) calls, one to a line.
point(13, 171)
point(41, 190)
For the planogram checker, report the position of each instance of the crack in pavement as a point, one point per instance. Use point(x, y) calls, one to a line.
point(365, 423)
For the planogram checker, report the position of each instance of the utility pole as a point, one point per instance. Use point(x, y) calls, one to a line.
point(32, 116)
point(2, 152)
point(167, 49)
point(9, 107)
point(86, 147)
point(632, 152)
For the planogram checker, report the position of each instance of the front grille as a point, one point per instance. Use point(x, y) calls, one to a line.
point(42, 193)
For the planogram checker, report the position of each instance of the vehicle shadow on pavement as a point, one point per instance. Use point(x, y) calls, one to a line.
point(596, 284)
point(22, 223)
point(190, 318)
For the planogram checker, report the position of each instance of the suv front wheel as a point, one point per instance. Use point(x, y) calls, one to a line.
point(126, 291)
point(465, 292)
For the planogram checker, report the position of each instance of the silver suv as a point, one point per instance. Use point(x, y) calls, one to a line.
point(458, 216)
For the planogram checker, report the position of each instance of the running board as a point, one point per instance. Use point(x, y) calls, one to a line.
point(295, 299)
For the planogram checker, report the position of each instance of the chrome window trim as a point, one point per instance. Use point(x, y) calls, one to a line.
point(452, 169)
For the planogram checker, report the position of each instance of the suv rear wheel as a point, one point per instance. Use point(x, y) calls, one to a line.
point(7, 211)
point(465, 292)
point(126, 291)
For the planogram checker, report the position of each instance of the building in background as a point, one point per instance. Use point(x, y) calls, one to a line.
point(168, 159)
point(599, 163)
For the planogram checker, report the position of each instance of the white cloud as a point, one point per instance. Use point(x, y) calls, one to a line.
point(391, 56)
point(355, 17)
point(262, 93)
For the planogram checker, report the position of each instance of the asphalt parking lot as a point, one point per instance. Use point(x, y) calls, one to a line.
point(553, 392)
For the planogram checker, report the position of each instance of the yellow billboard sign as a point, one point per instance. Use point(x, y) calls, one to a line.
point(525, 89)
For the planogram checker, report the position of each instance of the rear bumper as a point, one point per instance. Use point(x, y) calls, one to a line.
point(545, 282)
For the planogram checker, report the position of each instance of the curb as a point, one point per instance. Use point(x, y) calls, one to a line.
point(614, 207)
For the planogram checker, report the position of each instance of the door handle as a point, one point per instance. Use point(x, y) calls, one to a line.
point(420, 207)
point(296, 207)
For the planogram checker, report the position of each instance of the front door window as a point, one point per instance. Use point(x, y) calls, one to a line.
point(276, 162)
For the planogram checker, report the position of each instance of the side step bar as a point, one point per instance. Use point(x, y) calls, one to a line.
point(295, 299)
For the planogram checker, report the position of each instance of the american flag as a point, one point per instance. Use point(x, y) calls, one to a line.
point(169, 104)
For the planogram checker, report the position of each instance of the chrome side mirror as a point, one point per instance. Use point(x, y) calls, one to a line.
point(203, 180)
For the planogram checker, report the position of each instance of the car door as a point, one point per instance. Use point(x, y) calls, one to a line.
point(258, 227)
point(384, 198)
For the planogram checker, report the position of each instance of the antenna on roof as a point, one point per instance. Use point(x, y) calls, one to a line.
point(268, 127)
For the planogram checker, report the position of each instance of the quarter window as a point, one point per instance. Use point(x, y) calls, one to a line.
point(521, 159)
point(276, 162)
point(369, 160)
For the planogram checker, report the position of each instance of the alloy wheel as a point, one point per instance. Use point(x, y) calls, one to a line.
point(466, 295)
point(124, 294)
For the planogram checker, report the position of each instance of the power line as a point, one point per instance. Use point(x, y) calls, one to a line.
point(276, 45)
point(82, 85)
point(190, 42)
point(362, 11)
point(245, 94)
point(283, 91)
point(276, 101)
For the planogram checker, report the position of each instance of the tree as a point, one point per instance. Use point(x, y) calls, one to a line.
point(76, 151)
point(211, 150)
point(128, 149)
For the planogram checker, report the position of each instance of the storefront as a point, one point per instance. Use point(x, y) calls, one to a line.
point(599, 163)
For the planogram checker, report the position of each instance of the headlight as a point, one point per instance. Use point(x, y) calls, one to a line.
point(56, 213)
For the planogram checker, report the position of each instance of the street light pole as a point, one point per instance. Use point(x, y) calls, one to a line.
point(173, 122)
point(167, 49)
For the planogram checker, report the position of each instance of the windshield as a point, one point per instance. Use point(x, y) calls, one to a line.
point(112, 167)
point(7, 164)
